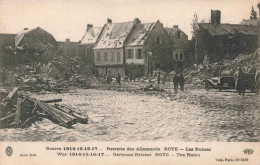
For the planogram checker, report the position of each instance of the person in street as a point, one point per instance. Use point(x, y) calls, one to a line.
point(118, 79)
point(130, 77)
point(241, 82)
point(159, 78)
point(108, 77)
point(181, 82)
point(175, 83)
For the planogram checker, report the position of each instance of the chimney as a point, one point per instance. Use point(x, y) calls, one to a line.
point(89, 27)
point(136, 21)
point(67, 40)
point(175, 26)
point(215, 17)
point(25, 29)
point(109, 21)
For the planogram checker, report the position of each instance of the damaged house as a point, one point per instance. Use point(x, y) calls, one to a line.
point(88, 42)
point(132, 48)
point(35, 44)
point(216, 41)
point(109, 52)
point(180, 42)
point(179, 46)
point(147, 48)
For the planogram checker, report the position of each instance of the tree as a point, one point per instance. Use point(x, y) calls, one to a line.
point(253, 13)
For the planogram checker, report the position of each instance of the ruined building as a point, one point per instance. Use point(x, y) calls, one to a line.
point(216, 41)
point(180, 42)
point(132, 48)
point(147, 48)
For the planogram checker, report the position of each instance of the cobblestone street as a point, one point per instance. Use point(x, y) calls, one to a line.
point(193, 115)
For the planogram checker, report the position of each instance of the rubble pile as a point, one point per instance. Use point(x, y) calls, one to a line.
point(20, 111)
point(249, 63)
point(55, 76)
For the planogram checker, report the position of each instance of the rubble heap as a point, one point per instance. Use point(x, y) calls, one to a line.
point(249, 63)
point(20, 111)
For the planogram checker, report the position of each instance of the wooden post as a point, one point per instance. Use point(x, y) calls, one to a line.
point(18, 112)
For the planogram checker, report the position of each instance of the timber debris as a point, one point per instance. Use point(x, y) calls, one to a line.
point(19, 110)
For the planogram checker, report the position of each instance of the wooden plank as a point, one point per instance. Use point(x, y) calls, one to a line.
point(51, 101)
point(7, 117)
point(63, 118)
point(18, 112)
point(80, 118)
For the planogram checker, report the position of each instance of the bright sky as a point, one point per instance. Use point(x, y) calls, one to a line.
point(69, 18)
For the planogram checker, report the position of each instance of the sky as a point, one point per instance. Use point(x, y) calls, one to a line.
point(69, 18)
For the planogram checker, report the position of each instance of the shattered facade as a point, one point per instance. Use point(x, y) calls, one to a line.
point(224, 41)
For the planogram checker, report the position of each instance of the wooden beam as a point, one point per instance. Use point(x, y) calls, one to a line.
point(7, 117)
point(51, 101)
point(62, 117)
point(80, 118)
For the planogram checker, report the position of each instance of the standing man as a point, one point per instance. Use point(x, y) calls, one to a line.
point(241, 82)
point(118, 79)
point(175, 83)
point(181, 81)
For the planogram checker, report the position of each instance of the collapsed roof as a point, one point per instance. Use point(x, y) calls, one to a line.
point(36, 38)
point(229, 29)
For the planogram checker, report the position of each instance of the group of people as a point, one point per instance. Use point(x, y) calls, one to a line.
point(178, 80)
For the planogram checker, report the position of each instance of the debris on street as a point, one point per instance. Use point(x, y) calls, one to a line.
point(19, 110)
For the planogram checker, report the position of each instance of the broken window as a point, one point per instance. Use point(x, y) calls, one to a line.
point(98, 56)
point(139, 53)
point(181, 56)
point(112, 57)
point(118, 57)
point(178, 34)
point(105, 56)
point(176, 56)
